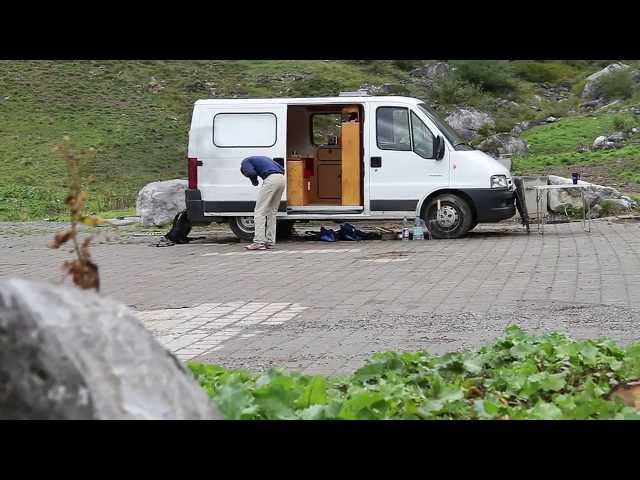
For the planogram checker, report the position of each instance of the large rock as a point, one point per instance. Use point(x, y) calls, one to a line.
point(433, 71)
point(67, 353)
point(467, 121)
point(590, 91)
point(602, 200)
point(503, 144)
point(520, 127)
point(614, 140)
point(159, 202)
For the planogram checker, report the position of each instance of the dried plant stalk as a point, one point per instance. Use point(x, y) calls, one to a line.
point(83, 271)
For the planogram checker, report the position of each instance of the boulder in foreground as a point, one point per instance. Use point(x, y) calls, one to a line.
point(71, 354)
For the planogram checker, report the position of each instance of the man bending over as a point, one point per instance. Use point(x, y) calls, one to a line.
point(273, 183)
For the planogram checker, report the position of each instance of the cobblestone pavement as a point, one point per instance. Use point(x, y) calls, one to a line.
point(324, 308)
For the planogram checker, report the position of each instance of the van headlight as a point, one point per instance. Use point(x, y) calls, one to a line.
point(498, 181)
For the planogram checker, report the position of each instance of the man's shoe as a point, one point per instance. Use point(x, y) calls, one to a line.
point(256, 246)
point(269, 246)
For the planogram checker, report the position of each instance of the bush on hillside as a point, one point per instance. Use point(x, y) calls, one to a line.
point(617, 85)
point(539, 72)
point(622, 124)
point(315, 86)
point(486, 130)
point(451, 91)
point(489, 75)
point(406, 65)
point(558, 109)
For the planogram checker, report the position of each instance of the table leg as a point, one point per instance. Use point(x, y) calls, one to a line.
point(584, 211)
point(538, 213)
point(588, 212)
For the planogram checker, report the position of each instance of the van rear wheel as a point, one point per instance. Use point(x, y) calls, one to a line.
point(454, 220)
point(244, 228)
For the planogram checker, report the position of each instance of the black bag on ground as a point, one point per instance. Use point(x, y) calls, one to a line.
point(350, 233)
point(180, 229)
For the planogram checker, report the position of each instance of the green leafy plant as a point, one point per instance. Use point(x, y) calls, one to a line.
point(519, 376)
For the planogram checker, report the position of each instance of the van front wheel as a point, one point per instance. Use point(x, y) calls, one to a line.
point(244, 228)
point(454, 219)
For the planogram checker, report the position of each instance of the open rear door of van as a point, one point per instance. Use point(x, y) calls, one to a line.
point(226, 134)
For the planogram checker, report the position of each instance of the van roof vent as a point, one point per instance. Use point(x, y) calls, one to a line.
point(357, 93)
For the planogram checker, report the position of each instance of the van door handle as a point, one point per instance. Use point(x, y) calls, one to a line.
point(376, 162)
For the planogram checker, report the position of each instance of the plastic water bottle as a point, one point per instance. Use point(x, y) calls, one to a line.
point(418, 230)
point(405, 229)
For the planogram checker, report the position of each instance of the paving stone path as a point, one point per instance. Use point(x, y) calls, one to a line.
point(325, 308)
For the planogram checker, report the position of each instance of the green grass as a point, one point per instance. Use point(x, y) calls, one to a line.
point(537, 162)
point(564, 135)
point(555, 145)
point(139, 136)
point(129, 212)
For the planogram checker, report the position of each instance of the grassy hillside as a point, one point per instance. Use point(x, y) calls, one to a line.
point(553, 150)
point(136, 114)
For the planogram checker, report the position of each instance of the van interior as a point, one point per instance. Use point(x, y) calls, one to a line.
point(324, 158)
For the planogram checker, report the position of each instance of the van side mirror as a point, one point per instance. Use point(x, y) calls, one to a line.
point(438, 148)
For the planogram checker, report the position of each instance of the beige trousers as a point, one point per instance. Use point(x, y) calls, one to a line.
point(266, 208)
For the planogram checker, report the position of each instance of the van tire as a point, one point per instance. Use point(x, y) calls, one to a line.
point(457, 222)
point(242, 227)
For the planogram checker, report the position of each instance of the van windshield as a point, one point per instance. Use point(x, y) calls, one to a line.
point(453, 137)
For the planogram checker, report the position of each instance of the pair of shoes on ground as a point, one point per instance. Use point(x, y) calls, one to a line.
point(259, 246)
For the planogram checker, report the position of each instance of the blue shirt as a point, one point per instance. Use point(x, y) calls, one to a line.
point(253, 167)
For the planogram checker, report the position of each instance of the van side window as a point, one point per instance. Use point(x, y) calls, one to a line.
point(422, 137)
point(392, 127)
point(244, 130)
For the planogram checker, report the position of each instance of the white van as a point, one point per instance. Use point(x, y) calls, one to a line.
point(346, 158)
